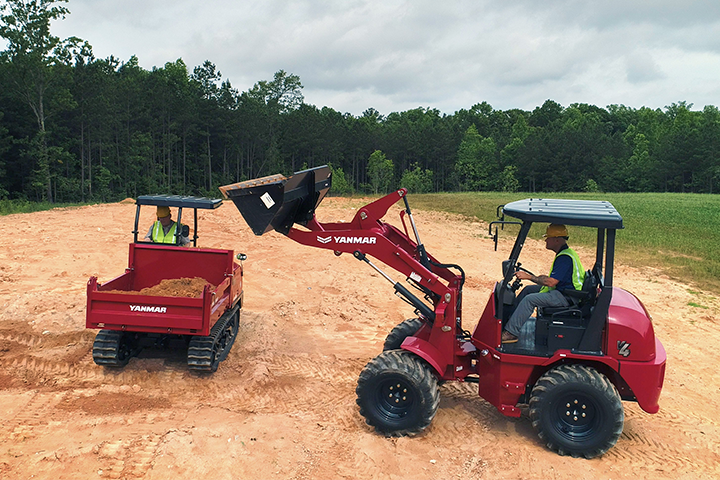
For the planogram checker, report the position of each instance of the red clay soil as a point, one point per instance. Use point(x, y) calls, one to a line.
point(171, 287)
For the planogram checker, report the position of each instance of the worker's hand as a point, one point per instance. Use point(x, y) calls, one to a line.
point(523, 275)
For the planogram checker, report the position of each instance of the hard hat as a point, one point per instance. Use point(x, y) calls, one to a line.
point(163, 212)
point(555, 230)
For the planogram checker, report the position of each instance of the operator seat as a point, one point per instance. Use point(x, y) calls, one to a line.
point(580, 301)
point(563, 327)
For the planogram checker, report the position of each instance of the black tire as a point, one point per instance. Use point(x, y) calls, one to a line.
point(398, 393)
point(403, 330)
point(576, 411)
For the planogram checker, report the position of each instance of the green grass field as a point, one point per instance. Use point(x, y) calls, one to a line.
point(678, 233)
point(9, 207)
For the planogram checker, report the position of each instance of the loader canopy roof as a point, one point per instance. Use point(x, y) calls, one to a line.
point(584, 213)
point(179, 201)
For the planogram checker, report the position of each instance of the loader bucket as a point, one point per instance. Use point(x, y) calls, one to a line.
point(277, 202)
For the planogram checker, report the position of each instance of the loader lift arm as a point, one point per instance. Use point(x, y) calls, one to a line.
point(275, 203)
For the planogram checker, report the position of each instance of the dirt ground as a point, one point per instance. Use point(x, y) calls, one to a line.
point(282, 406)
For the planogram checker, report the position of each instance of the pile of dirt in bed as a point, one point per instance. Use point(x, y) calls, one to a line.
point(173, 287)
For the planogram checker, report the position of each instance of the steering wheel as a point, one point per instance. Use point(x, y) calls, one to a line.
point(519, 268)
point(517, 283)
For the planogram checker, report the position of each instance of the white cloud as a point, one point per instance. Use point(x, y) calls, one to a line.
point(393, 55)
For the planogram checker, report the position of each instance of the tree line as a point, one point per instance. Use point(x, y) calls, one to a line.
point(75, 128)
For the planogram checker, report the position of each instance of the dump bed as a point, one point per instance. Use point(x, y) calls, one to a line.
point(110, 308)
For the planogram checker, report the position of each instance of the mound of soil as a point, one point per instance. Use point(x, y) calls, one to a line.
point(174, 287)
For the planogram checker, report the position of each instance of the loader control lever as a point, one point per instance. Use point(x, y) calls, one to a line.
point(419, 305)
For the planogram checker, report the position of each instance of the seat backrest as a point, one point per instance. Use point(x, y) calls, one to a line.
point(590, 287)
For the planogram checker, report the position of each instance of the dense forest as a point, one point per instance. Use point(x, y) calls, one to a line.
point(75, 128)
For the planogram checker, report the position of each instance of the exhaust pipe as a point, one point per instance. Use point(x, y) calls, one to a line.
point(278, 202)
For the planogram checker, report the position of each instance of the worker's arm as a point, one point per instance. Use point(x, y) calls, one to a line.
point(543, 280)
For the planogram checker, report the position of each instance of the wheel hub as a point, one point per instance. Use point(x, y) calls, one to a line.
point(577, 412)
point(395, 398)
point(576, 415)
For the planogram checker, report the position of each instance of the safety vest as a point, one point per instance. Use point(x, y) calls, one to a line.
point(159, 236)
point(578, 274)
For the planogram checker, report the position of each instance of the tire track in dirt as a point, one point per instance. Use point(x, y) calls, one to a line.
point(21, 339)
point(130, 457)
point(697, 429)
point(66, 370)
point(642, 451)
point(315, 386)
point(36, 413)
point(649, 455)
point(316, 367)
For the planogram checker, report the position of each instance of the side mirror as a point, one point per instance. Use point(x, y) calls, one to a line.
point(185, 232)
point(241, 256)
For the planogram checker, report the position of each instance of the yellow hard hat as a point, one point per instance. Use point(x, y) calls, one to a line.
point(163, 212)
point(555, 230)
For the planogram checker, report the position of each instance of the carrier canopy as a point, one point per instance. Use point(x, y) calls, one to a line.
point(277, 202)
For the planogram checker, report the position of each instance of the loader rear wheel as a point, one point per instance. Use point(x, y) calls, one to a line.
point(113, 348)
point(398, 393)
point(576, 411)
point(403, 330)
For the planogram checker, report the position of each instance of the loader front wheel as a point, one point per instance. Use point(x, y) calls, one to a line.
point(403, 330)
point(397, 393)
point(576, 411)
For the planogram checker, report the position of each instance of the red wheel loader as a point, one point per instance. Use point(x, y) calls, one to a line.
point(206, 325)
point(572, 366)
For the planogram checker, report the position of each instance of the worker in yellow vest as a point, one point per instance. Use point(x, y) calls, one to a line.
point(566, 273)
point(164, 229)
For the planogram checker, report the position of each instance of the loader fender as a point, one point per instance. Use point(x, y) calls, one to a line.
point(645, 379)
point(426, 351)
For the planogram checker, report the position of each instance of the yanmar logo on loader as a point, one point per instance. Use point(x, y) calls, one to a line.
point(365, 240)
point(148, 309)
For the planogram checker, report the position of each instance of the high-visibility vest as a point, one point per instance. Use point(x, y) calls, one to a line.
point(578, 274)
point(159, 236)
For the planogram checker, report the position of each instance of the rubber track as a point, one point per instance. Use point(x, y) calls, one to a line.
point(106, 347)
point(200, 350)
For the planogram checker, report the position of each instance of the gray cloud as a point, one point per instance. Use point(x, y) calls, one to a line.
point(393, 55)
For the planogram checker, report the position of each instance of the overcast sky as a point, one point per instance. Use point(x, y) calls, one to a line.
point(397, 55)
